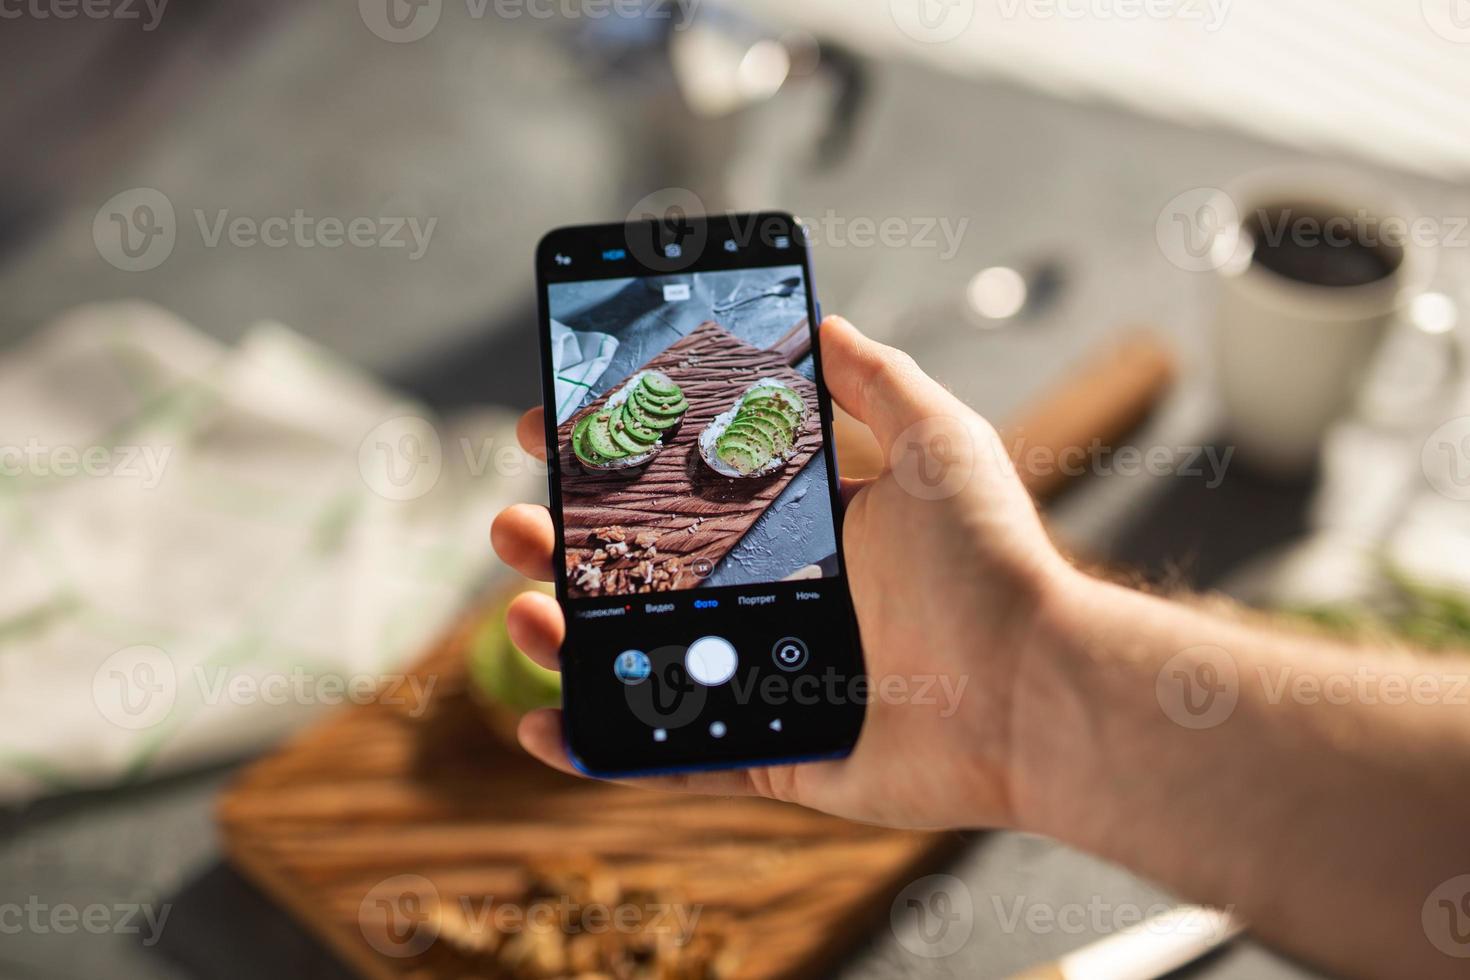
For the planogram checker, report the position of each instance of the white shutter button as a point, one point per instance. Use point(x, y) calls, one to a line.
point(711, 660)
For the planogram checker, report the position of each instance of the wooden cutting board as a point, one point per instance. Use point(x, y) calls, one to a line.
point(368, 823)
point(695, 514)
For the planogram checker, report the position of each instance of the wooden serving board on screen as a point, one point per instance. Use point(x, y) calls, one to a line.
point(697, 515)
point(431, 817)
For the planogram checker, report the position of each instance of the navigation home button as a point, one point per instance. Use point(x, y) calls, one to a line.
point(711, 660)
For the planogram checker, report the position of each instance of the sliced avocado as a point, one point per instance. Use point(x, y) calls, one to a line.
point(634, 424)
point(580, 446)
point(659, 391)
point(791, 398)
point(578, 430)
point(657, 411)
point(655, 420)
point(754, 443)
point(772, 432)
point(661, 387)
point(623, 437)
point(751, 430)
point(653, 404)
point(773, 404)
point(663, 423)
point(634, 414)
point(785, 431)
point(658, 423)
point(599, 437)
point(739, 455)
point(659, 396)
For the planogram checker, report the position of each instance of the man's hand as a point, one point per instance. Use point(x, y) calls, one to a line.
point(949, 568)
point(1336, 827)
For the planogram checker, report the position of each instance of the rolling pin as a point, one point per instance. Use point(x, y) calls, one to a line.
point(1112, 391)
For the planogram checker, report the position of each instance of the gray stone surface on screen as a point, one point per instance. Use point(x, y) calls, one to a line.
point(756, 305)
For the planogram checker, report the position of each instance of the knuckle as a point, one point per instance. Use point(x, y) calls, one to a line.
point(889, 368)
point(775, 783)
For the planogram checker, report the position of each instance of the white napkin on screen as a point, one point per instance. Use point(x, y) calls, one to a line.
point(578, 358)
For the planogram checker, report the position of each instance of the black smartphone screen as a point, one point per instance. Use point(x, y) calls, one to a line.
point(694, 491)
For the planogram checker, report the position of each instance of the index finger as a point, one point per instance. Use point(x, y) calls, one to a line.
point(531, 433)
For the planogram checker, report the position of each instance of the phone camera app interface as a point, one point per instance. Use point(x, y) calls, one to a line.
point(707, 615)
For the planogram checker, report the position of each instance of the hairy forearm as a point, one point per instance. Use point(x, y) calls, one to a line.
point(1321, 792)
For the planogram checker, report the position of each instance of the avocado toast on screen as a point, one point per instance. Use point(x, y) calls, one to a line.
point(633, 426)
point(756, 435)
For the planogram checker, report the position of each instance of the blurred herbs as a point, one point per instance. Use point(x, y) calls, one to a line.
point(1432, 618)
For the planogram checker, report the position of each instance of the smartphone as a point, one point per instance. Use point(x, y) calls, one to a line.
point(694, 490)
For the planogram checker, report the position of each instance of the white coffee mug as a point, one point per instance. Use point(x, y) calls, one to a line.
point(1292, 354)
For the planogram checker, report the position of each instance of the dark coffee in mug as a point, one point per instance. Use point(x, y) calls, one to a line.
point(1307, 245)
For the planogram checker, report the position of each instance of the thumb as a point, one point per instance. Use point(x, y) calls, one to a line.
point(878, 385)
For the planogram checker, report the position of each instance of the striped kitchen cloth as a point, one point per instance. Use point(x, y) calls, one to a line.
point(578, 358)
